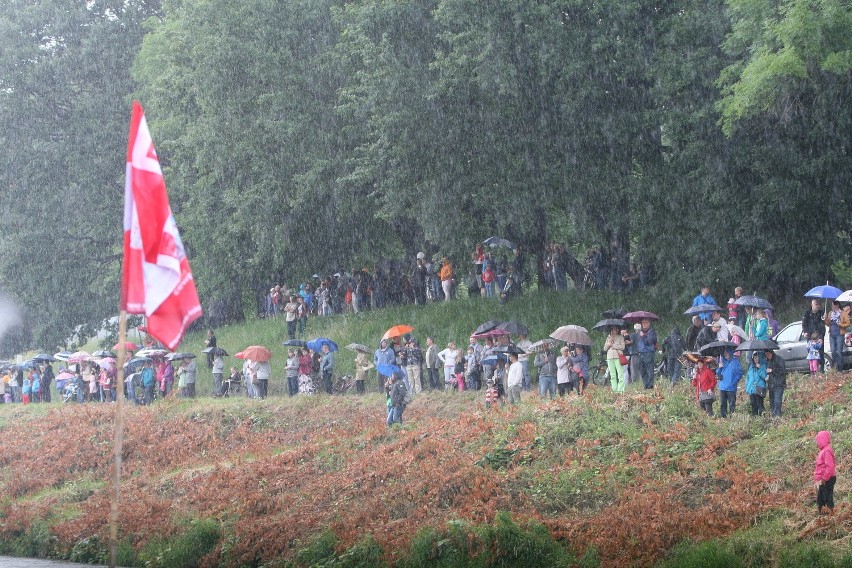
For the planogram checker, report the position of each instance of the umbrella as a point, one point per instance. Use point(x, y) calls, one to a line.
point(845, 296)
point(702, 308)
point(635, 317)
point(28, 364)
point(180, 356)
point(397, 331)
point(62, 355)
point(508, 349)
point(753, 302)
point(388, 370)
point(606, 323)
point(716, 348)
point(257, 353)
point(134, 364)
point(64, 376)
point(44, 358)
point(825, 292)
point(128, 346)
point(317, 344)
point(572, 334)
point(487, 326)
point(514, 327)
point(498, 242)
point(617, 313)
point(214, 350)
point(492, 333)
point(240, 355)
point(758, 345)
point(538, 346)
point(295, 343)
point(103, 353)
point(151, 352)
point(79, 357)
point(359, 348)
point(737, 330)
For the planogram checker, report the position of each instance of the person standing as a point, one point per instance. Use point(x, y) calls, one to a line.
point(813, 323)
point(730, 372)
point(704, 298)
point(290, 315)
point(47, 377)
point(825, 473)
point(413, 365)
point(449, 357)
point(191, 375)
point(673, 347)
point(261, 373)
point(218, 368)
point(705, 384)
point(756, 384)
point(545, 362)
point(446, 276)
point(614, 347)
point(327, 367)
point(397, 400)
point(292, 373)
point(836, 333)
point(692, 333)
point(524, 358)
point(210, 343)
point(514, 380)
point(149, 380)
point(384, 355)
point(432, 364)
point(776, 380)
point(362, 365)
point(647, 340)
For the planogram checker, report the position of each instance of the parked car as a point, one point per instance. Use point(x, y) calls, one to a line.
point(793, 348)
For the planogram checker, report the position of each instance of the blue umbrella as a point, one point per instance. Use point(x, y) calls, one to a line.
point(824, 292)
point(316, 344)
point(388, 370)
point(493, 359)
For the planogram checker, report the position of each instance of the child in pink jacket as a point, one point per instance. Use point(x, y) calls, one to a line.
point(824, 472)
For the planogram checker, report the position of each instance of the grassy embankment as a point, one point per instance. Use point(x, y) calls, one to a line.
point(608, 480)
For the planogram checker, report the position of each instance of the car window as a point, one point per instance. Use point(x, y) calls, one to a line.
point(792, 332)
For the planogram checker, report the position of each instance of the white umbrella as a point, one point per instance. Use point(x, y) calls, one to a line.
point(737, 330)
point(845, 296)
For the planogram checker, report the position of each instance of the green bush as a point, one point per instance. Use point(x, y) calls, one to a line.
point(185, 549)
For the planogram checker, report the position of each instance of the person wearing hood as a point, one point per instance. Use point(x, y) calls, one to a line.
point(776, 381)
point(825, 473)
point(672, 349)
point(756, 383)
point(730, 373)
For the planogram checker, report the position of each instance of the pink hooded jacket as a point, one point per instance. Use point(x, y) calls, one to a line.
point(824, 466)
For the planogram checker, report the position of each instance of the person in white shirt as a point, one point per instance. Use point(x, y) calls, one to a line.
point(525, 344)
point(515, 379)
point(449, 357)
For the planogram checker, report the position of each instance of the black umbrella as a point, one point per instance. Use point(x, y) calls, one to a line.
point(103, 353)
point(716, 348)
point(753, 302)
point(180, 356)
point(758, 345)
point(607, 323)
point(44, 357)
point(508, 349)
point(616, 313)
point(514, 327)
point(295, 343)
point(487, 326)
point(215, 351)
point(702, 308)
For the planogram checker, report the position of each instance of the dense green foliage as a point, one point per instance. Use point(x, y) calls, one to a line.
point(708, 142)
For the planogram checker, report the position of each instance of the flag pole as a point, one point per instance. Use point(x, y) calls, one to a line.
point(118, 438)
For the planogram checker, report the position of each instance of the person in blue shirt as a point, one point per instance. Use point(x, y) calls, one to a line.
point(730, 373)
point(385, 355)
point(148, 382)
point(704, 298)
point(646, 340)
point(756, 383)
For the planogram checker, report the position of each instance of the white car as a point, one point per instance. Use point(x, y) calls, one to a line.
point(793, 348)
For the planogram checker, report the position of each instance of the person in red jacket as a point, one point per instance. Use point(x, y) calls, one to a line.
point(825, 473)
point(705, 384)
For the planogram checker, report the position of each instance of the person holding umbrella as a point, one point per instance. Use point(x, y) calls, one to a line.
point(545, 362)
point(837, 322)
point(730, 372)
point(704, 298)
point(776, 379)
point(327, 367)
point(813, 323)
point(647, 340)
point(756, 384)
point(614, 346)
point(384, 355)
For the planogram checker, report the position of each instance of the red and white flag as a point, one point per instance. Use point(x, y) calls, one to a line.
point(156, 279)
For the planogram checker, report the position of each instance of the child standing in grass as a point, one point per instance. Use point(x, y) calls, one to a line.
point(825, 473)
point(814, 347)
point(26, 389)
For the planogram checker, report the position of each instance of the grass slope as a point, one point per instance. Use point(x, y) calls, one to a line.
point(630, 480)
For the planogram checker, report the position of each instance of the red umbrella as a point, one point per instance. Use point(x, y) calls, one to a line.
point(397, 331)
point(256, 353)
point(636, 317)
point(240, 355)
point(128, 346)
